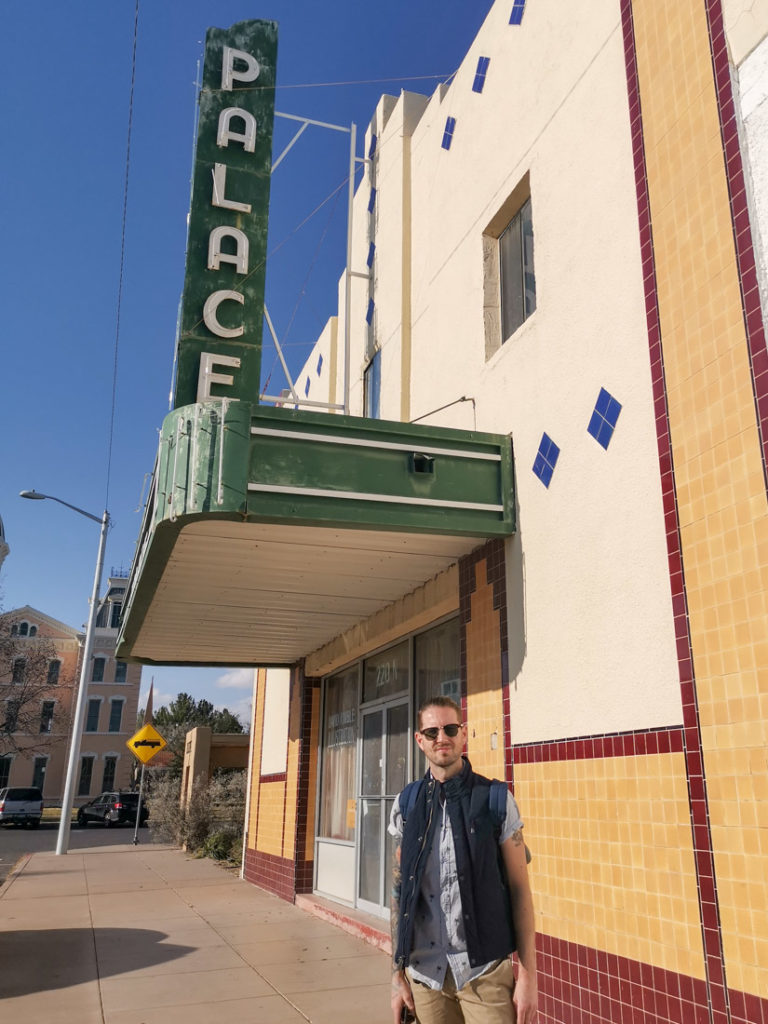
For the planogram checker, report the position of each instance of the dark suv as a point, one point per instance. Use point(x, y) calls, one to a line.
point(113, 809)
point(22, 805)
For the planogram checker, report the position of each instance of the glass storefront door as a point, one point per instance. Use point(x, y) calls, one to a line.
point(385, 771)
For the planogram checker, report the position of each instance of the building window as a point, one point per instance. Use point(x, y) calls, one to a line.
point(54, 668)
point(509, 284)
point(92, 721)
point(516, 276)
point(19, 669)
point(115, 715)
point(110, 766)
point(97, 673)
point(372, 388)
point(114, 622)
point(23, 629)
point(121, 671)
point(11, 716)
point(337, 787)
point(46, 716)
point(33, 630)
point(86, 774)
point(38, 773)
point(5, 770)
point(14, 630)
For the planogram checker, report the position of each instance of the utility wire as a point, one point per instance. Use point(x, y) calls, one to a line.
point(122, 255)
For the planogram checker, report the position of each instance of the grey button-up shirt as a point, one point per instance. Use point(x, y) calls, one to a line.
point(438, 933)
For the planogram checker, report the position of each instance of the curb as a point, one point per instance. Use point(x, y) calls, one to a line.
point(15, 871)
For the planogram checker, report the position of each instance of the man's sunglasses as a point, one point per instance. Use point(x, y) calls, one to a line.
point(432, 732)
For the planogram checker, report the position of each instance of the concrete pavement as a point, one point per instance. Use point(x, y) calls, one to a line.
point(149, 935)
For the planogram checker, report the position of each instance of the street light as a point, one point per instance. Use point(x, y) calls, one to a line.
point(62, 843)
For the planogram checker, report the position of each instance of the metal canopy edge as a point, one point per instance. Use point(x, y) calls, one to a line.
point(268, 532)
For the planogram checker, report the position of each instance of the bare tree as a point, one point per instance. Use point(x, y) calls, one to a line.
point(31, 685)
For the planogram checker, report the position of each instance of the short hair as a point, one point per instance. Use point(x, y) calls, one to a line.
point(437, 701)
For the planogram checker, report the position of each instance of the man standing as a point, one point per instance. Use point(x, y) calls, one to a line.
point(461, 899)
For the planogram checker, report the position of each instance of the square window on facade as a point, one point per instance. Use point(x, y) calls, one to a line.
point(54, 667)
point(19, 670)
point(121, 671)
point(97, 673)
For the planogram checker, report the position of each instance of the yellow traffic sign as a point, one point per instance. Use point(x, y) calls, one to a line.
point(146, 743)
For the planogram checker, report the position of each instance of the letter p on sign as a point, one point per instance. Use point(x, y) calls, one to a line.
point(228, 72)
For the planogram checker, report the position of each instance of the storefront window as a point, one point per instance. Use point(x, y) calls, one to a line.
point(386, 674)
point(437, 670)
point(337, 792)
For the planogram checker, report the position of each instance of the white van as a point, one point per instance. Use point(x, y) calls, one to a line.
point(22, 805)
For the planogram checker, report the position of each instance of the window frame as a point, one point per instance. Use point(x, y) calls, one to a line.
point(100, 678)
point(113, 704)
point(91, 702)
point(47, 721)
point(493, 316)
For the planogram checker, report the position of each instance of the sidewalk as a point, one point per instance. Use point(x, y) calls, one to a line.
point(148, 935)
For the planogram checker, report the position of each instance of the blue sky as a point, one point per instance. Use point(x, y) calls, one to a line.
point(65, 84)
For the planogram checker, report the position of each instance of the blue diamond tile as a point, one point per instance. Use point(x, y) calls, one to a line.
point(319, 365)
point(546, 459)
point(450, 126)
point(604, 418)
point(516, 17)
point(372, 200)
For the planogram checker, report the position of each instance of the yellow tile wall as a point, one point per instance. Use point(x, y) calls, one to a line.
point(719, 473)
point(271, 802)
point(613, 865)
point(485, 708)
point(258, 732)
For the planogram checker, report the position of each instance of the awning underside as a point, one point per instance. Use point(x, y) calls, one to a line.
point(239, 593)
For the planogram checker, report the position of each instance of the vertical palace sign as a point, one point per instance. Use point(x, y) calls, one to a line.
point(222, 309)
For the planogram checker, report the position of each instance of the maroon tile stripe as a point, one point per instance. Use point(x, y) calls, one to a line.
point(742, 228)
point(619, 744)
point(305, 867)
point(697, 792)
point(579, 985)
point(274, 777)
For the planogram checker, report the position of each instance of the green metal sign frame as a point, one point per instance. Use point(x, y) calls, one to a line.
point(222, 311)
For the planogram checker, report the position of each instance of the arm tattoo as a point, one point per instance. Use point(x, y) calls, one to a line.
point(394, 907)
point(517, 837)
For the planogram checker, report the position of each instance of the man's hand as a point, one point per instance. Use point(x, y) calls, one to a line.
point(525, 997)
point(401, 995)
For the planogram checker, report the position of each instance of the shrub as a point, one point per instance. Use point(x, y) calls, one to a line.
point(212, 820)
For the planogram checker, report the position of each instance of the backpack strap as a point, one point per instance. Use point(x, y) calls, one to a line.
point(408, 798)
point(497, 803)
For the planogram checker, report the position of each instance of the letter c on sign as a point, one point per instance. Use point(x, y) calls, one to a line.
point(210, 319)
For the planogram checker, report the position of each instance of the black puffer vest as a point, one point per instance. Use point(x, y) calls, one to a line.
point(485, 904)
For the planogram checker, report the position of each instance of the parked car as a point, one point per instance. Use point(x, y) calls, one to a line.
point(113, 809)
point(22, 805)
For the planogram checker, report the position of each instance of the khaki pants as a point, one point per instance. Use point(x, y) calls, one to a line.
point(486, 1000)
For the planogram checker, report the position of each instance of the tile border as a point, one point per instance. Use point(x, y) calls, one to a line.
point(709, 914)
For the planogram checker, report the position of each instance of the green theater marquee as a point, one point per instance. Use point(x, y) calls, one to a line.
point(271, 531)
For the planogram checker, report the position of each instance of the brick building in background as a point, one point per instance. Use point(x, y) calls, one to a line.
point(37, 754)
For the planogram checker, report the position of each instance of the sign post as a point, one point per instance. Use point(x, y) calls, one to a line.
point(144, 744)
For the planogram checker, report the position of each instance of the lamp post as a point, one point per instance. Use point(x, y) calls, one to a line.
point(62, 843)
